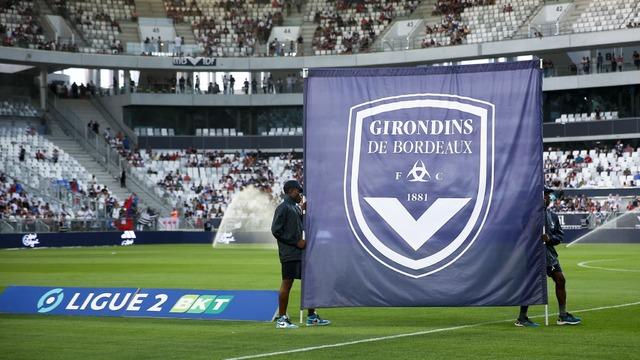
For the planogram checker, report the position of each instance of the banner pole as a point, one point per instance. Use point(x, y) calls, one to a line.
point(546, 314)
point(301, 312)
point(544, 231)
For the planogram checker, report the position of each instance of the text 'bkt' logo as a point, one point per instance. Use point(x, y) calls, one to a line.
point(419, 178)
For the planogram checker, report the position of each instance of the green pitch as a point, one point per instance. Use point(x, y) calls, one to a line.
point(612, 278)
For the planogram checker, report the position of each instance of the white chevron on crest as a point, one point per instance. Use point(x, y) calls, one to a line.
point(416, 232)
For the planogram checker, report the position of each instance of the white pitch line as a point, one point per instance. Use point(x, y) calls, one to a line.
point(584, 265)
point(425, 332)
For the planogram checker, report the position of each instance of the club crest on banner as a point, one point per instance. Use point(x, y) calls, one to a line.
point(431, 156)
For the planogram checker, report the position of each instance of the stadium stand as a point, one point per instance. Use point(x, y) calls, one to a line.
point(227, 28)
point(283, 131)
point(349, 27)
point(605, 15)
point(17, 109)
point(477, 21)
point(599, 115)
point(218, 132)
point(20, 25)
point(610, 204)
point(97, 20)
point(634, 19)
point(596, 168)
point(154, 131)
point(241, 28)
point(41, 181)
point(37, 162)
point(498, 21)
point(202, 183)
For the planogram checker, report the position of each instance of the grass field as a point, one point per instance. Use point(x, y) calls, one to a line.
point(612, 278)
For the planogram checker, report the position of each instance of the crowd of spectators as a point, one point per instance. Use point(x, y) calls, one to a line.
point(21, 209)
point(609, 62)
point(633, 25)
point(179, 9)
point(228, 27)
point(335, 24)
point(75, 91)
point(86, 17)
point(582, 203)
point(575, 164)
point(451, 27)
point(16, 203)
point(236, 171)
point(548, 67)
point(20, 25)
point(290, 48)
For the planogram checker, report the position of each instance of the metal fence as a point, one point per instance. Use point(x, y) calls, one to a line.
point(34, 225)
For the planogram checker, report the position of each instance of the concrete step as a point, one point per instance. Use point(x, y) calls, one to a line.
point(129, 32)
point(579, 6)
point(150, 8)
point(86, 111)
point(294, 19)
point(423, 11)
point(72, 148)
point(45, 9)
point(308, 29)
point(185, 31)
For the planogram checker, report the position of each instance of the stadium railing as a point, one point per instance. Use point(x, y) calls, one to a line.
point(592, 128)
point(98, 147)
point(104, 224)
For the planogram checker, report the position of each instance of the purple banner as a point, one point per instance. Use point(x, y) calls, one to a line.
point(424, 186)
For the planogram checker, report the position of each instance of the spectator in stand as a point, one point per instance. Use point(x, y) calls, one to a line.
point(181, 84)
point(620, 61)
point(123, 178)
point(177, 43)
point(586, 64)
point(636, 59)
point(245, 86)
point(619, 148)
point(225, 84)
point(146, 219)
point(300, 45)
point(232, 84)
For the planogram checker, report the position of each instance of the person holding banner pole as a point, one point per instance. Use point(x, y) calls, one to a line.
point(553, 235)
point(287, 229)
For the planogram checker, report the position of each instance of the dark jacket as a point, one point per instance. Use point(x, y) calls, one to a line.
point(287, 229)
point(554, 230)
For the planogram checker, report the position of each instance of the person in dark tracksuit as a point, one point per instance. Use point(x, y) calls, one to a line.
point(287, 229)
point(553, 235)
